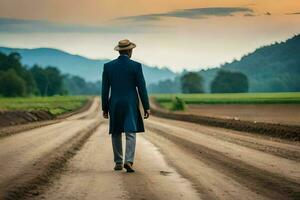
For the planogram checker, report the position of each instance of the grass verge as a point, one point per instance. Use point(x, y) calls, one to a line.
point(165, 100)
point(56, 105)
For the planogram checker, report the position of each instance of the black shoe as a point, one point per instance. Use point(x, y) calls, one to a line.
point(118, 166)
point(128, 167)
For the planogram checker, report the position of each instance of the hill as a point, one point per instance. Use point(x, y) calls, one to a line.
point(272, 68)
point(89, 69)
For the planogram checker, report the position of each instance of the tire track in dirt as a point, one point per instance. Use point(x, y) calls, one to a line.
point(210, 183)
point(261, 160)
point(274, 146)
point(91, 113)
point(90, 175)
point(242, 171)
point(154, 175)
point(82, 113)
point(9, 131)
point(29, 184)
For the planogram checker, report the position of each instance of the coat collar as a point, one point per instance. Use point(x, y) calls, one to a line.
point(123, 57)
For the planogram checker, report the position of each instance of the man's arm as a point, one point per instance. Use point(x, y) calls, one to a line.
point(141, 85)
point(105, 92)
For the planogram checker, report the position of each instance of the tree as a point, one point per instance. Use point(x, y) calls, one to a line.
point(76, 85)
point(165, 86)
point(191, 82)
point(41, 79)
point(11, 85)
point(229, 82)
point(13, 62)
point(49, 81)
point(55, 81)
point(30, 84)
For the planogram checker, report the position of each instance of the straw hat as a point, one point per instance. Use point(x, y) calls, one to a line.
point(125, 45)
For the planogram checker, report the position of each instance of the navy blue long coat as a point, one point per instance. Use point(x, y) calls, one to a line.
point(122, 82)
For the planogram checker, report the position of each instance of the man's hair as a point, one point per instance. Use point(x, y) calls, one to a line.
point(122, 52)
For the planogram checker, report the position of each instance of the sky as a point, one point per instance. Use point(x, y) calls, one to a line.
point(189, 34)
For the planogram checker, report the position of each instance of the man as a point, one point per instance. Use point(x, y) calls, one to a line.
point(123, 79)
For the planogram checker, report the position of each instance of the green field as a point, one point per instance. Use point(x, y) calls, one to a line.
point(56, 105)
point(243, 98)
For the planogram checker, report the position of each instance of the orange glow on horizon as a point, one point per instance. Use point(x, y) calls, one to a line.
point(96, 11)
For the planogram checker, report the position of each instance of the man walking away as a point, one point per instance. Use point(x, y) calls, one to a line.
point(122, 84)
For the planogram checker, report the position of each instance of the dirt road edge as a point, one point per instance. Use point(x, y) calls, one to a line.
point(49, 167)
point(287, 132)
point(11, 130)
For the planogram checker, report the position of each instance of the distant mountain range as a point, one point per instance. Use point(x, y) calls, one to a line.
point(272, 68)
point(89, 69)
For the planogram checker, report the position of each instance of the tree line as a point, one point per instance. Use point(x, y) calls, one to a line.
point(271, 68)
point(192, 82)
point(18, 80)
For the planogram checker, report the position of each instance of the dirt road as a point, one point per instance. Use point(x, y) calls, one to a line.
point(174, 160)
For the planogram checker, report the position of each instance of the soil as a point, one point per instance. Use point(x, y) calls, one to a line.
point(29, 159)
point(286, 114)
point(88, 178)
point(283, 131)
point(13, 118)
point(228, 169)
point(179, 160)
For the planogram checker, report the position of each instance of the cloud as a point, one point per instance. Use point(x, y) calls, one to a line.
point(195, 13)
point(21, 25)
point(8, 25)
point(295, 13)
point(249, 15)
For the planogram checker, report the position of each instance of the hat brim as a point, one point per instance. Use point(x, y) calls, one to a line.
point(131, 46)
